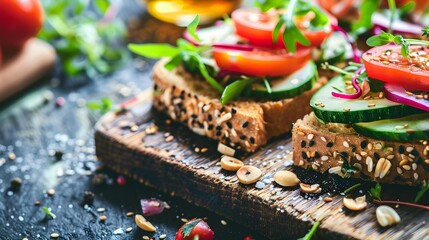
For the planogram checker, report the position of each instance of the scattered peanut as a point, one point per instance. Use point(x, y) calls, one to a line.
point(286, 178)
point(248, 174)
point(307, 188)
point(387, 216)
point(230, 164)
point(355, 204)
point(144, 224)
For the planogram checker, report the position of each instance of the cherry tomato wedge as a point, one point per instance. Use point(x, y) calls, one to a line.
point(338, 8)
point(195, 229)
point(20, 20)
point(388, 65)
point(258, 28)
point(261, 62)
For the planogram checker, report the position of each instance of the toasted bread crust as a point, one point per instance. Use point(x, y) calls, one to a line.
point(325, 147)
point(245, 125)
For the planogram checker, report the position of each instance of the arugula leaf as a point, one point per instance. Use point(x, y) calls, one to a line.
point(375, 192)
point(312, 231)
point(234, 90)
point(421, 193)
point(48, 213)
point(367, 8)
point(154, 50)
point(189, 226)
point(102, 5)
point(192, 28)
point(174, 62)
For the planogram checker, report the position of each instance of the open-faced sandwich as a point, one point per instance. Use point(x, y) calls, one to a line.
point(372, 121)
point(233, 83)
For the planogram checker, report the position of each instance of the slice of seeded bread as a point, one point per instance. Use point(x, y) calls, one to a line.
point(245, 125)
point(325, 147)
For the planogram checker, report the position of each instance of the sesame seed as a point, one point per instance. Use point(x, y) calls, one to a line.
point(324, 158)
point(128, 229)
point(371, 104)
point(184, 220)
point(51, 192)
point(223, 222)
point(37, 203)
point(130, 214)
point(103, 218)
point(416, 176)
point(409, 149)
point(203, 150)
point(101, 210)
point(146, 238)
point(310, 136)
point(162, 236)
point(169, 138)
point(323, 139)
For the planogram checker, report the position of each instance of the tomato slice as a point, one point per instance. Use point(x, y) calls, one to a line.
point(261, 62)
point(339, 8)
point(258, 28)
point(388, 65)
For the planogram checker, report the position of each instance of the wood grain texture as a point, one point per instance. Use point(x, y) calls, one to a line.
point(278, 213)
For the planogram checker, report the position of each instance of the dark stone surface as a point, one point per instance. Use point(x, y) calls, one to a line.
point(54, 148)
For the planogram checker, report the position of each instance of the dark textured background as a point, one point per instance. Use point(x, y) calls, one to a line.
point(34, 130)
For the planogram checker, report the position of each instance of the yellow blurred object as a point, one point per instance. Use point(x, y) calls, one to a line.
point(181, 12)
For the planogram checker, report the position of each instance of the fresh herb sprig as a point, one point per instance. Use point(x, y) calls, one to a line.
point(85, 34)
point(185, 52)
point(421, 193)
point(386, 38)
point(48, 213)
point(291, 33)
point(375, 192)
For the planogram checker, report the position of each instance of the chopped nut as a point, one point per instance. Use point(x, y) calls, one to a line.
point(222, 148)
point(355, 204)
point(103, 218)
point(382, 168)
point(55, 235)
point(286, 178)
point(130, 214)
point(248, 174)
point(144, 224)
point(327, 199)
point(387, 216)
point(230, 164)
point(307, 188)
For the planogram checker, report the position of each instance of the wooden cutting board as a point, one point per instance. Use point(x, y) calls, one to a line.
point(20, 69)
point(125, 143)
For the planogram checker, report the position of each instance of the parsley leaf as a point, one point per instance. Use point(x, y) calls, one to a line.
point(421, 193)
point(48, 213)
point(312, 231)
point(189, 226)
point(375, 192)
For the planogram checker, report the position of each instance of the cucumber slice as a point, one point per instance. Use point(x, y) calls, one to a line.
point(335, 49)
point(332, 109)
point(416, 128)
point(288, 87)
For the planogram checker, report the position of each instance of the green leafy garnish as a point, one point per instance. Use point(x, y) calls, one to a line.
point(386, 38)
point(425, 32)
point(267, 86)
point(421, 193)
point(48, 213)
point(184, 52)
point(233, 90)
point(312, 231)
point(84, 36)
point(348, 169)
point(103, 106)
point(375, 192)
point(192, 28)
point(365, 20)
point(189, 226)
point(292, 35)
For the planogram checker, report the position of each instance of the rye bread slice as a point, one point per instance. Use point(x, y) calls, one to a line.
point(324, 147)
point(243, 124)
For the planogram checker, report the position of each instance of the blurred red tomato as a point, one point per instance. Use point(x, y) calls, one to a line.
point(20, 20)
